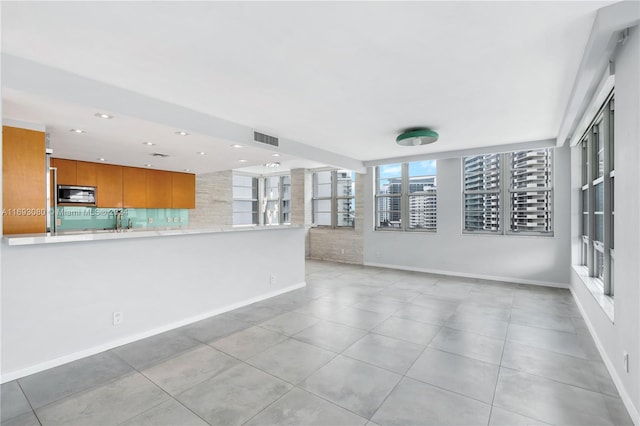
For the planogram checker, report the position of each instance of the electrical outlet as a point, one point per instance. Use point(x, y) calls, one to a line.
point(117, 318)
point(272, 279)
point(175, 220)
point(168, 220)
point(182, 220)
point(625, 358)
point(341, 251)
point(58, 222)
point(150, 220)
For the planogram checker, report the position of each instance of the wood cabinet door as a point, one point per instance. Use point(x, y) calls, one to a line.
point(183, 190)
point(67, 171)
point(24, 190)
point(158, 189)
point(86, 173)
point(134, 187)
point(109, 187)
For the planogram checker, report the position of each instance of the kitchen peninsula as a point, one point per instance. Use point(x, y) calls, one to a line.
point(60, 292)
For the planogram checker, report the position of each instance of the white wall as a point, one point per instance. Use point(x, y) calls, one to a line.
point(622, 335)
point(58, 299)
point(537, 260)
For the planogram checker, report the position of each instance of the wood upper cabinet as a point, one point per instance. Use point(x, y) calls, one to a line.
point(24, 193)
point(86, 173)
point(183, 190)
point(159, 189)
point(109, 185)
point(134, 187)
point(67, 171)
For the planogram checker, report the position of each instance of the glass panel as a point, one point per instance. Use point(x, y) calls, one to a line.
point(482, 212)
point(482, 172)
point(241, 180)
point(585, 212)
point(599, 211)
point(422, 211)
point(388, 212)
point(611, 136)
point(531, 211)
point(390, 179)
point(322, 206)
point(245, 219)
point(272, 187)
point(322, 184)
point(422, 176)
point(323, 219)
point(599, 154)
point(531, 169)
point(272, 214)
point(599, 264)
point(345, 184)
point(585, 224)
point(345, 212)
point(585, 162)
point(243, 192)
point(240, 206)
point(613, 213)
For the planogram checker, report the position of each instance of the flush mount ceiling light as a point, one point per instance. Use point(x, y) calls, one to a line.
point(275, 155)
point(415, 137)
point(148, 143)
point(242, 161)
point(77, 131)
point(182, 133)
point(235, 145)
point(272, 165)
point(101, 159)
point(103, 115)
point(201, 153)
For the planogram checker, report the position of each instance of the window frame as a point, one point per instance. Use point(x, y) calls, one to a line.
point(405, 200)
point(601, 126)
point(333, 198)
point(506, 210)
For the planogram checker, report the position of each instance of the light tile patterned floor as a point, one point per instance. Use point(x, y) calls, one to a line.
point(358, 345)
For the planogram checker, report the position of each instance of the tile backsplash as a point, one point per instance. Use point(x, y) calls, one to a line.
point(74, 218)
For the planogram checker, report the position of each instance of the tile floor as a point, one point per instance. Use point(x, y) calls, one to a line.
point(357, 346)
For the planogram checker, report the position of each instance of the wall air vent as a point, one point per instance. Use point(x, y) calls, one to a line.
point(159, 155)
point(262, 138)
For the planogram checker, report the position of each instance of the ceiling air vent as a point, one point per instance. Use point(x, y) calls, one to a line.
point(159, 155)
point(262, 138)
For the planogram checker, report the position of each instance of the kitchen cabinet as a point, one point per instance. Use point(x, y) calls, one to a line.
point(158, 189)
point(134, 187)
point(86, 173)
point(67, 171)
point(183, 191)
point(109, 185)
point(23, 181)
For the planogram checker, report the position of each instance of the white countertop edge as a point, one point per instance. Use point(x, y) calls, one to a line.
point(75, 236)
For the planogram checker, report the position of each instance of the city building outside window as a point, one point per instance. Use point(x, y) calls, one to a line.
point(510, 193)
point(597, 197)
point(334, 198)
point(406, 196)
point(276, 200)
point(245, 200)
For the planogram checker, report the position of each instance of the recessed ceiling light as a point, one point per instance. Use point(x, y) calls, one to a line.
point(182, 133)
point(275, 155)
point(235, 145)
point(148, 143)
point(148, 165)
point(272, 165)
point(101, 159)
point(201, 153)
point(103, 115)
point(242, 161)
point(77, 131)
point(187, 170)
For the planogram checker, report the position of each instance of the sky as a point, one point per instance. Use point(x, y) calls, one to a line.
point(418, 168)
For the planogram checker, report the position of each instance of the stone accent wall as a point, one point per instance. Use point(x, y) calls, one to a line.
point(301, 201)
point(214, 200)
point(329, 244)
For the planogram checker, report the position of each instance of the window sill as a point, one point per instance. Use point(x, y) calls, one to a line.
point(595, 288)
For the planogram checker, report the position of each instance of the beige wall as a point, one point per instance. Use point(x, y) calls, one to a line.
point(214, 200)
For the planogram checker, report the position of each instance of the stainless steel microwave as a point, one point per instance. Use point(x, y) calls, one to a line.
point(69, 194)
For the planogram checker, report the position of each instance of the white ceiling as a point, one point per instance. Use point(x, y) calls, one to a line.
point(344, 77)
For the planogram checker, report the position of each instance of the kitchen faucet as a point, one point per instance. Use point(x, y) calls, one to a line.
point(118, 220)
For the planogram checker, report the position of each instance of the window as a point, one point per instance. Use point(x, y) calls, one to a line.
point(245, 200)
point(406, 196)
point(276, 201)
point(334, 198)
point(515, 186)
point(597, 196)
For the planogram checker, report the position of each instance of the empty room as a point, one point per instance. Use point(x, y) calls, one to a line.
point(320, 213)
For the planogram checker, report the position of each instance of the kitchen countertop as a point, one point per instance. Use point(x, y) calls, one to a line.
point(112, 234)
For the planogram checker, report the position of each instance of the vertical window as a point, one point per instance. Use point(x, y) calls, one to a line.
point(271, 202)
point(245, 200)
point(334, 198)
point(508, 193)
point(285, 206)
point(406, 196)
point(482, 193)
point(597, 196)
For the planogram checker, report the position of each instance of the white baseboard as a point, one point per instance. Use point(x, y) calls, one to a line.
point(469, 275)
point(13, 375)
point(624, 395)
